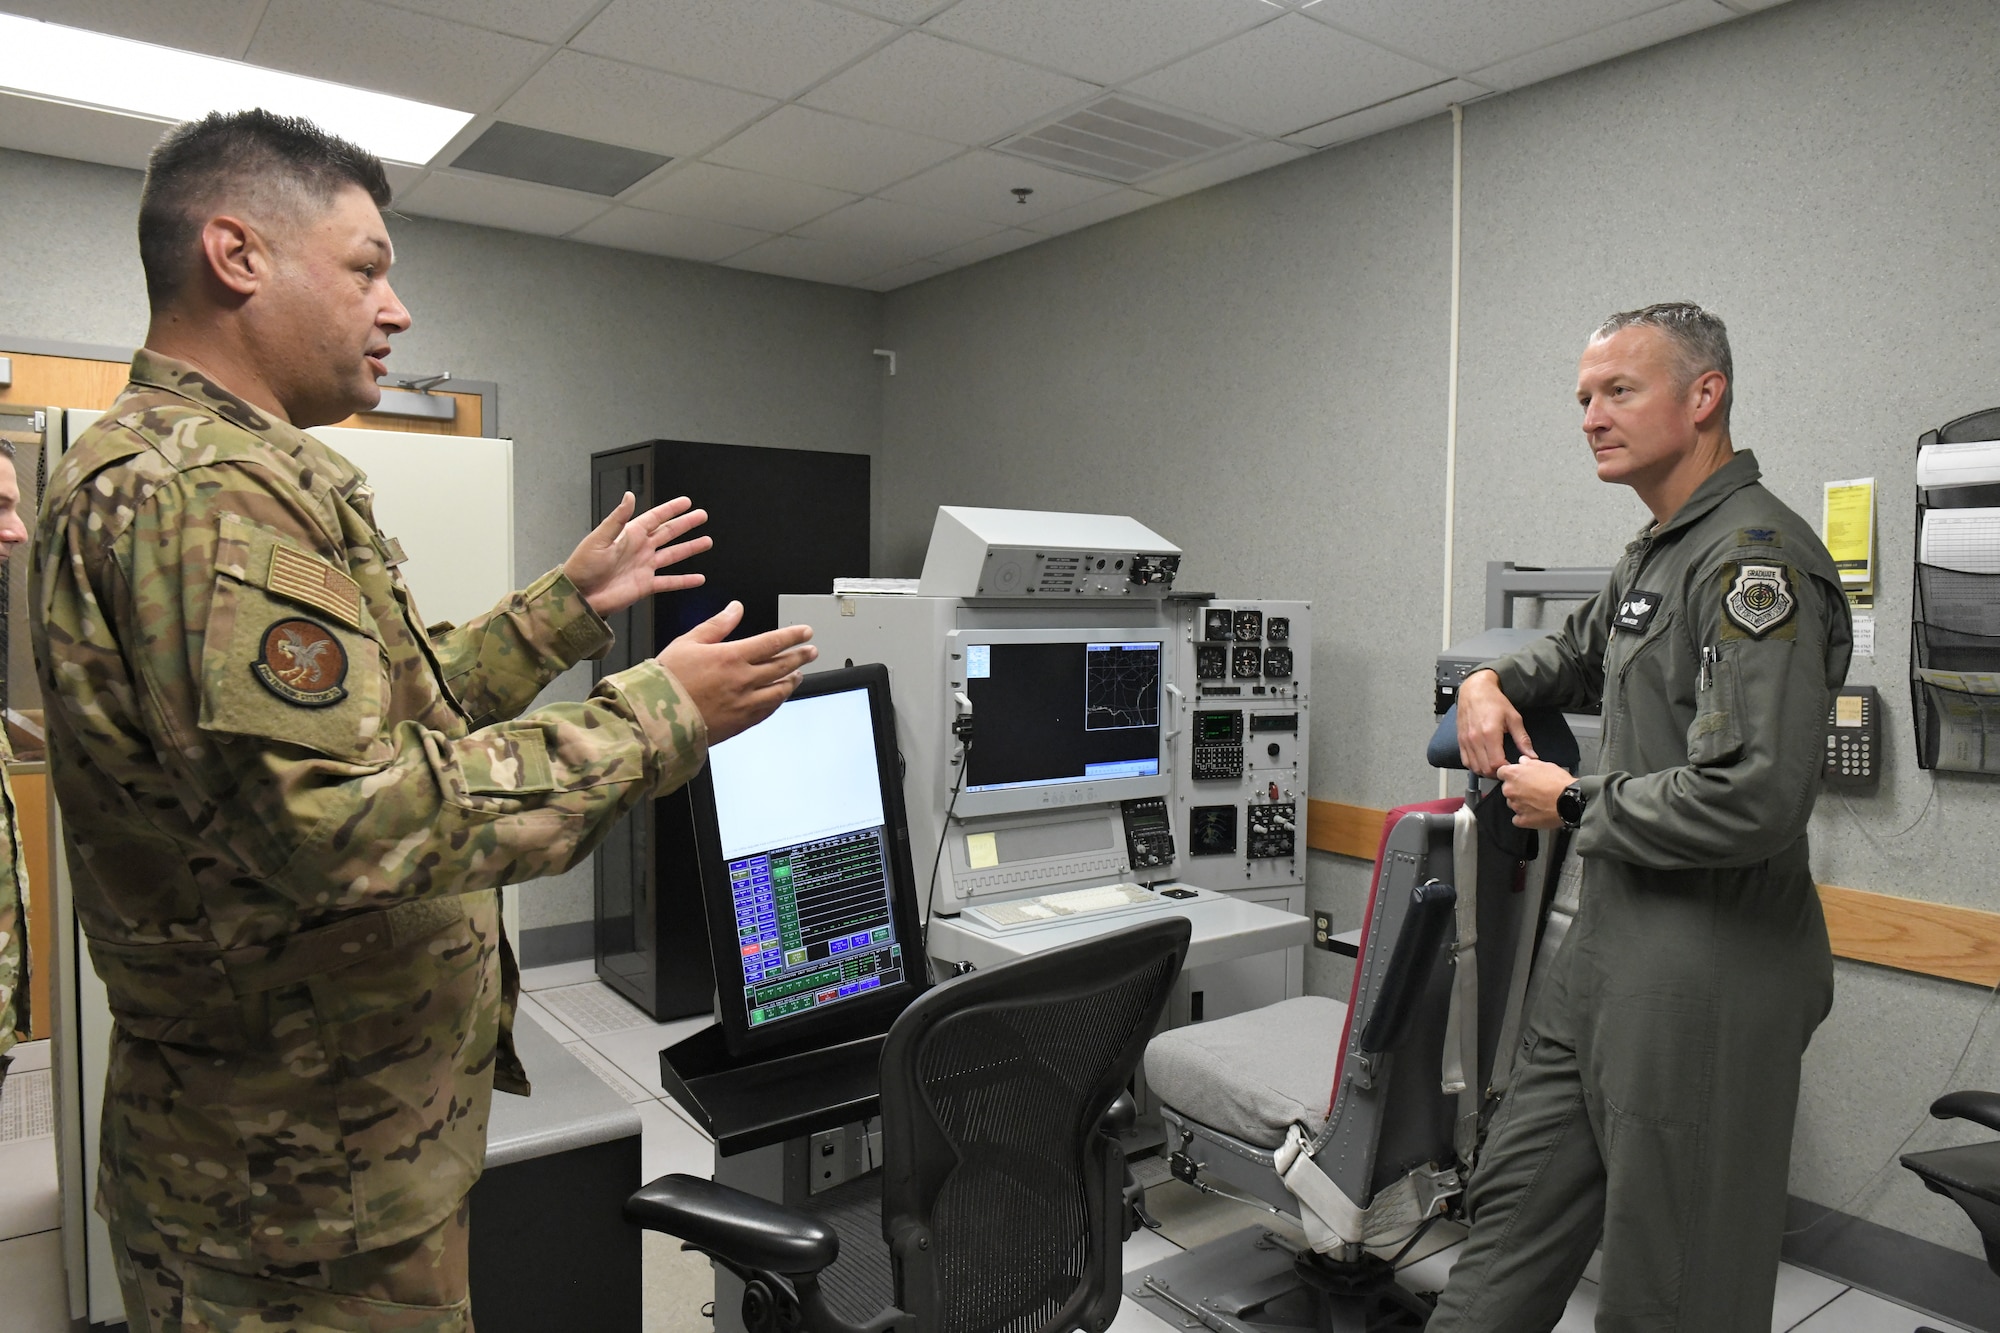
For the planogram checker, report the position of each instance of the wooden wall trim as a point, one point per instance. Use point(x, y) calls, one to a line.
point(1932, 939)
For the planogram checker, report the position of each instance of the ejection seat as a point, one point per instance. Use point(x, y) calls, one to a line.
point(1365, 1118)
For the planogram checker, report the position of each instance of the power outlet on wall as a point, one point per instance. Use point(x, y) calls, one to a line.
point(1323, 932)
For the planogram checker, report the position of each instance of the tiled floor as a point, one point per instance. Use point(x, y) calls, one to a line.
point(622, 1044)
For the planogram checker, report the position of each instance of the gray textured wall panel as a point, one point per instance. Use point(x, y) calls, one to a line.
point(591, 347)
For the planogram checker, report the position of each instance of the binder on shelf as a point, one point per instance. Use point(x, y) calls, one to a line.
point(1955, 613)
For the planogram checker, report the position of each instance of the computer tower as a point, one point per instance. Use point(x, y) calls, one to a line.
point(783, 521)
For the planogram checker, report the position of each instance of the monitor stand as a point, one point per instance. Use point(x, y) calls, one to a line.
point(751, 1101)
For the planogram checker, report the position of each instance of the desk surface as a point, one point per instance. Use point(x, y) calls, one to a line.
point(1224, 928)
point(571, 1108)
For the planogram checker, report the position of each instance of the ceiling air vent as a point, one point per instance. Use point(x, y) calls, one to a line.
point(548, 158)
point(1119, 140)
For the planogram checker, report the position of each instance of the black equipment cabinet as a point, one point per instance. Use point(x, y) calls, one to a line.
point(783, 520)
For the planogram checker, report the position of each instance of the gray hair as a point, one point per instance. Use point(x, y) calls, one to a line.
point(1701, 342)
point(6, 447)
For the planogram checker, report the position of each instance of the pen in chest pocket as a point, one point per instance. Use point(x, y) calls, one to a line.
point(1709, 657)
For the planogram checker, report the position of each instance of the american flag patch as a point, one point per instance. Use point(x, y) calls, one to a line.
point(307, 579)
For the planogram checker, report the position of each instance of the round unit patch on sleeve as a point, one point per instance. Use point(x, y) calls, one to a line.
point(1759, 599)
point(302, 662)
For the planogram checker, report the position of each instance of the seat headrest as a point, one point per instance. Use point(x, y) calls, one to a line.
point(1547, 728)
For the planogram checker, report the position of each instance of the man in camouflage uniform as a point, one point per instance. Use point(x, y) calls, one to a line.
point(1655, 1091)
point(13, 873)
point(291, 807)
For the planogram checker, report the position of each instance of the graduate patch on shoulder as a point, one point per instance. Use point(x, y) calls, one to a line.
point(1759, 537)
point(1757, 601)
point(302, 662)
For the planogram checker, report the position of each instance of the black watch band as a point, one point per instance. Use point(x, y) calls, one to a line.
point(1569, 805)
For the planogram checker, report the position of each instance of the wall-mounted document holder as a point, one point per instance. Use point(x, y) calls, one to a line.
point(1955, 616)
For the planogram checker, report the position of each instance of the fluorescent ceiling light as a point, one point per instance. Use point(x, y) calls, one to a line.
point(117, 74)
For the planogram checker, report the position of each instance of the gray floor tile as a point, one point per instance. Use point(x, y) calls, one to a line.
point(1147, 1247)
point(552, 1025)
point(1800, 1295)
point(558, 974)
point(1859, 1312)
point(31, 1276)
point(637, 1050)
point(30, 1199)
point(668, 1144)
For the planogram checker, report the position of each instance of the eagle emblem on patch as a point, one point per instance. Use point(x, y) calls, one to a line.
point(1760, 599)
point(302, 662)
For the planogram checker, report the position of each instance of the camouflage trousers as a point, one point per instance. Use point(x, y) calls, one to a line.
point(417, 1286)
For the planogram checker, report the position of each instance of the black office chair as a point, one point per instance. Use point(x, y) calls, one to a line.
point(1001, 1203)
point(1968, 1175)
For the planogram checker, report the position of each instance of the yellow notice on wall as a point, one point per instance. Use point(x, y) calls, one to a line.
point(1849, 525)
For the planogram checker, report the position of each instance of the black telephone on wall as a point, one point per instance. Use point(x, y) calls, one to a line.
point(1853, 759)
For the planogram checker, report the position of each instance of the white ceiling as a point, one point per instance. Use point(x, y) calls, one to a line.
point(850, 141)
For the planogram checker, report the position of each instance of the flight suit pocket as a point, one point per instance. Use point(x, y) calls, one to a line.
point(1716, 734)
point(274, 669)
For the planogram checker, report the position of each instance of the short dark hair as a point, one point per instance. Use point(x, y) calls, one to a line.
point(250, 156)
point(1701, 342)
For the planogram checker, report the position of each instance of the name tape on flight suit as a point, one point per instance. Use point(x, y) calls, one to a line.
point(1636, 610)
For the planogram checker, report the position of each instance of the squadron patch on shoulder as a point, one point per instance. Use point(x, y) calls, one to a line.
point(302, 662)
point(1759, 599)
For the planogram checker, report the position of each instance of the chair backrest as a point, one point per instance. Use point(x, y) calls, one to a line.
point(1388, 1113)
point(1001, 1201)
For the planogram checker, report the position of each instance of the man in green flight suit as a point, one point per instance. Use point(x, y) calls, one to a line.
point(13, 871)
point(291, 807)
point(1653, 1102)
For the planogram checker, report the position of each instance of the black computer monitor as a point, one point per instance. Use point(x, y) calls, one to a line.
point(812, 908)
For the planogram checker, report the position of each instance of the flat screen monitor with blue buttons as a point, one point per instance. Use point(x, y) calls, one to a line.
point(806, 864)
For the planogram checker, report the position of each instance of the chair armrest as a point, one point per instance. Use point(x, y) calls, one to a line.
point(1982, 1108)
point(738, 1228)
point(1119, 1117)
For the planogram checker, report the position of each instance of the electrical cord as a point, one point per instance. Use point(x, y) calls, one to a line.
point(964, 733)
point(1930, 798)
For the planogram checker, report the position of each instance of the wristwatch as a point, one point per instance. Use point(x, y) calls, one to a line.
point(1569, 805)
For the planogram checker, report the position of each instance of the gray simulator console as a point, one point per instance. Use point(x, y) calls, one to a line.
point(1115, 736)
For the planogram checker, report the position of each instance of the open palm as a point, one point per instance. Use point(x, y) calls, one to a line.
point(620, 560)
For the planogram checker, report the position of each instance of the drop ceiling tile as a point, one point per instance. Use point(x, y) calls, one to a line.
point(500, 203)
point(986, 247)
point(815, 261)
point(57, 129)
point(663, 234)
point(1388, 115)
point(1285, 76)
point(1459, 38)
point(799, 143)
point(610, 101)
point(775, 47)
point(981, 184)
point(538, 20)
point(904, 276)
point(1662, 25)
point(1105, 40)
point(742, 198)
point(937, 87)
point(1101, 209)
point(1236, 162)
point(213, 27)
point(919, 231)
point(412, 55)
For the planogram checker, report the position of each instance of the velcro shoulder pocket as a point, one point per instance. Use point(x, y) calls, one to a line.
point(286, 654)
point(1716, 734)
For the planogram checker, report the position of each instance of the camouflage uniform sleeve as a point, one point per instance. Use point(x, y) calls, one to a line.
point(497, 664)
point(13, 919)
point(305, 781)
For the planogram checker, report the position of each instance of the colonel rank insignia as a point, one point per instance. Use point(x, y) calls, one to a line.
point(1759, 599)
point(302, 662)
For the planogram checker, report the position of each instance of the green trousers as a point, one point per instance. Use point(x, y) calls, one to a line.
point(1652, 1108)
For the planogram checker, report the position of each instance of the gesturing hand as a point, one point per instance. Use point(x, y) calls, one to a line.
point(619, 561)
point(737, 685)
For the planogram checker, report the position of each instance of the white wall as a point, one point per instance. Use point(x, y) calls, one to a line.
point(1259, 371)
point(592, 348)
